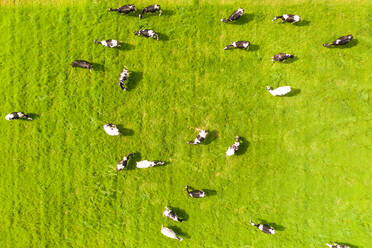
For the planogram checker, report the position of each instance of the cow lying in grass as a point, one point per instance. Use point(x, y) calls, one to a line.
point(151, 8)
point(288, 18)
point(234, 16)
point(17, 115)
point(169, 233)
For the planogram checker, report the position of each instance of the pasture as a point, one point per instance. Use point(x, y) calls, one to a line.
point(304, 166)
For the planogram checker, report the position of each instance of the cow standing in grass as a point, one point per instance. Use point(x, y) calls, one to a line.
point(169, 233)
point(195, 193)
point(111, 129)
point(124, 9)
point(238, 44)
point(288, 18)
point(335, 245)
point(108, 43)
point(123, 78)
point(17, 115)
point(264, 228)
point(200, 138)
point(123, 163)
point(281, 57)
point(234, 16)
point(340, 41)
point(233, 148)
point(146, 164)
point(148, 33)
point(82, 64)
point(171, 215)
point(151, 8)
point(280, 91)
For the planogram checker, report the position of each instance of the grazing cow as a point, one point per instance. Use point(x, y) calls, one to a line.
point(108, 43)
point(123, 78)
point(195, 193)
point(111, 129)
point(233, 148)
point(124, 9)
point(171, 215)
point(146, 164)
point(17, 115)
point(169, 233)
point(151, 8)
point(82, 64)
point(148, 33)
point(200, 138)
point(340, 41)
point(288, 18)
point(239, 44)
point(264, 228)
point(123, 163)
point(281, 57)
point(281, 91)
point(234, 16)
point(335, 245)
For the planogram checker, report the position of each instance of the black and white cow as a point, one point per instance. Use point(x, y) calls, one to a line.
point(171, 215)
point(123, 163)
point(234, 16)
point(239, 44)
point(200, 138)
point(82, 64)
point(17, 115)
point(335, 245)
point(340, 41)
point(123, 78)
point(234, 147)
point(146, 164)
point(148, 33)
point(108, 43)
point(281, 57)
point(195, 193)
point(151, 8)
point(264, 228)
point(288, 18)
point(124, 9)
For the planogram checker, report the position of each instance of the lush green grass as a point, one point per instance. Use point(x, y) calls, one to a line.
point(306, 162)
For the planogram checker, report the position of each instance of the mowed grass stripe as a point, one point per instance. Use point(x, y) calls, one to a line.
point(306, 166)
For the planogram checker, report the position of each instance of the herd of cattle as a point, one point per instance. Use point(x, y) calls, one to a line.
point(112, 129)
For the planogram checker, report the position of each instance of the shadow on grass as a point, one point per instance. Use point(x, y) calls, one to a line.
point(179, 232)
point(350, 245)
point(33, 116)
point(352, 43)
point(167, 12)
point(302, 23)
point(244, 144)
point(125, 131)
point(133, 160)
point(272, 224)
point(163, 37)
point(134, 78)
point(252, 48)
point(294, 92)
point(180, 213)
point(125, 47)
point(244, 19)
point(212, 135)
point(98, 67)
point(210, 192)
point(289, 60)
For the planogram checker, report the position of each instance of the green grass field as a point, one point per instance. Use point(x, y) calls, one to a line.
point(305, 165)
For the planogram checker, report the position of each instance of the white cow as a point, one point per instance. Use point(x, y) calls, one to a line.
point(111, 129)
point(200, 138)
point(146, 164)
point(169, 233)
point(108, 43)
point(281, 91)
point(17, 115)
point(233, 148)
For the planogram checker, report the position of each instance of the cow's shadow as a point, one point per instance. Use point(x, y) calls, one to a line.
point(179, 232)
point(302, 23)
point(33, 116)
point(163, 37)
point(133, 160)
point(244, 19)
point(289, 60)
point(134, 78)
point(210, 192)
point(125, 47)
point(125, 131)
point(212, 135)
point(180, 213)
point(352, 43)
point(244, 144)
point(272, 224)
point(294, 92)
point(98, 67)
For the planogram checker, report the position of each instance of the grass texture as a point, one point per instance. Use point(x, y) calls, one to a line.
point(305, 164)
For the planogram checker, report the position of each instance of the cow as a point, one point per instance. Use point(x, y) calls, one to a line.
point(151, 8)
point(124, 9)
point(234, 16)
point(281, 91)
point(123, 78)
point(195, 193)
point(200, 138)
point(148, 33)
point(239, 44)
point(340, 41)
point(82, 64)
point(146, 164)
point(233, 148)
point(111, 129)
point(281, 57)
point(171, 215)
point(169, 233)
point(288, 18)
point(335, 245)
point(17, 115)
point(264, 228)
point(123, 163)
point(108, 43)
